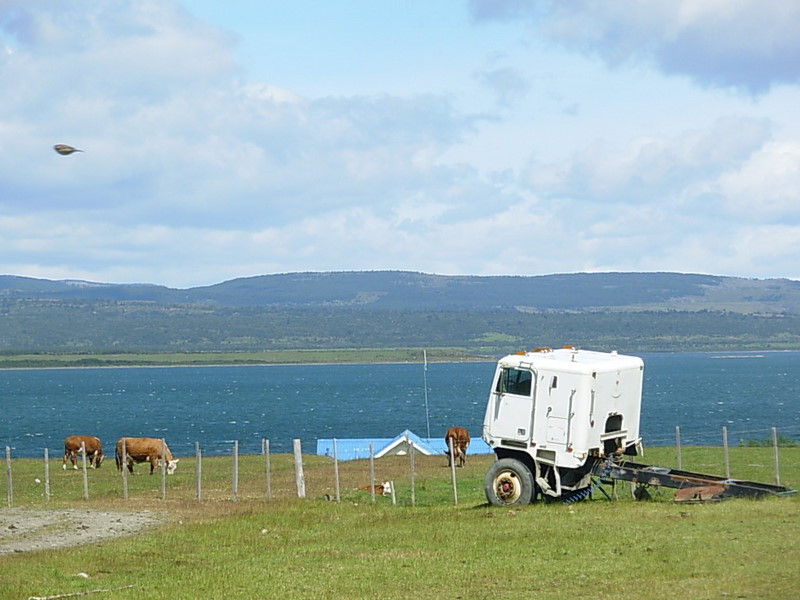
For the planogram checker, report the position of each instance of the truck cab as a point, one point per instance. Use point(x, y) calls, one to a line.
point(552, 414)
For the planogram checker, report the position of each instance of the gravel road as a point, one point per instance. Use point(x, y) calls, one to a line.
point(25, 530)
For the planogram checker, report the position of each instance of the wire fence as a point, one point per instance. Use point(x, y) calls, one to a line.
point(384, 487)
point(788, 435)
point(126, 468)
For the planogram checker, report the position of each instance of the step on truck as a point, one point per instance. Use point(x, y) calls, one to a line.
point(558, 420)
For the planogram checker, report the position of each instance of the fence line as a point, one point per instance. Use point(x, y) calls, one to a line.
point(299, 474)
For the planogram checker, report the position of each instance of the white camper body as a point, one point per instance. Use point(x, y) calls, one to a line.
point(551, 410)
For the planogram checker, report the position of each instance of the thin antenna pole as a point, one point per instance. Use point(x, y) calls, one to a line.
point(425, 383)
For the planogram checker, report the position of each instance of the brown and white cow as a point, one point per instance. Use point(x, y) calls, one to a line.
point(72, 448)
point(460, 440)
point(381, 489)
point(145, 449)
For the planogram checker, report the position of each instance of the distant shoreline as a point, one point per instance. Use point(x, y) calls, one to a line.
point(244, 359)
point(294, 357)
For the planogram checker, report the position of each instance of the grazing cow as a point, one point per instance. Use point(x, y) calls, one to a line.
point(145, 449)
point(72, 448)
point(460, 440)
point(382, 489)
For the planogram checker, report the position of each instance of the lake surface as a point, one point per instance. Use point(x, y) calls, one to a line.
point(749, 393)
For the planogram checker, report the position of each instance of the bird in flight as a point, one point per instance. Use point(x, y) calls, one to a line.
point(64, 149)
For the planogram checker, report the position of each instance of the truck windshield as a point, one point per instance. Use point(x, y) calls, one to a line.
point(514, 381)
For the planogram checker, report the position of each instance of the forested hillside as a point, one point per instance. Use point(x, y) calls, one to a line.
point(402, 290)
point(627, 311)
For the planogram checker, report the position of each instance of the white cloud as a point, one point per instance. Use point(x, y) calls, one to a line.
point(192, 174)
point(767, 186)
point(747, 44)
point(651, 168)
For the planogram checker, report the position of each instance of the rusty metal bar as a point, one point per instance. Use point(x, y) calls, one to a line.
point(716, 488)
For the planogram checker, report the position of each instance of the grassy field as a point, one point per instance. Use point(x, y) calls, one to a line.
point(429, 548)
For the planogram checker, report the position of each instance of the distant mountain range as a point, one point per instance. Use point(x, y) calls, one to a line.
point(409, 291)
point(399, 309)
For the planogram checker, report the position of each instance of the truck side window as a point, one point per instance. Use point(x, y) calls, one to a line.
point(515, 381)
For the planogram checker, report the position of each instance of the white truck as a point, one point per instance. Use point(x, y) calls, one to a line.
point(552, 414)
point(558, 418)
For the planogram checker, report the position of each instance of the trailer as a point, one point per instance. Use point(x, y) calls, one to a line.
point(562, 422)
point(691, 487)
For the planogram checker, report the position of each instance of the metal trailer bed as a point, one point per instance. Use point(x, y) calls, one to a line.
point(691, 487)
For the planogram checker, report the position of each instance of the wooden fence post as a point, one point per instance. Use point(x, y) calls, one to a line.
point(678, 446)
point(775, 455)
point(10, 487)
point(336, 471)
point(298, 469)
point(124, 469)
point(85, 474)
point(47, 475)
point(410, 447)
point(235, 482)
point(268, 474)
point(453, 469)
point(371, 473)
point(198, 472)
point(725, 453)
point(163, 469)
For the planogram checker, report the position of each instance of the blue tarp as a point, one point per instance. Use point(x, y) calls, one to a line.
point(355, 448)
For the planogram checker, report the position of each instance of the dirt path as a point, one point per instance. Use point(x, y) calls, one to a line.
point(25, 530)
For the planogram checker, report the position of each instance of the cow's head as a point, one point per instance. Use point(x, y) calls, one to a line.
point(172, 465)
point(387, 488)
point(99, 460)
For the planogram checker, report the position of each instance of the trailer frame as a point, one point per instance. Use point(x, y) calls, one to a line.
point(690, 486)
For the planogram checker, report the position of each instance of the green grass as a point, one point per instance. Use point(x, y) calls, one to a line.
point(313, 548)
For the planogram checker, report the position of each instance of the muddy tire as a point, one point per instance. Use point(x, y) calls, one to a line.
point(508, 483)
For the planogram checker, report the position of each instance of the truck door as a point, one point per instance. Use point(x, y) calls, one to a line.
point(513, 404)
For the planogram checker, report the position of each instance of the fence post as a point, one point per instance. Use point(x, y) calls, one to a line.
point(298, 469)
point(453, 469)
point(678, 446)
point(124, 469)
point(775, 455)
point(336, 471)
point(371, 473)
point(265, 444)
point(198, 472)
point(235, 483)
point(47, 475)
point(163, 469)
point(85, 474)
point(10, 488)
point(725, 452)
point(410, 447)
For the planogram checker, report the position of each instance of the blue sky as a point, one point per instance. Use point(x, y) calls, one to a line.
point(225, 140)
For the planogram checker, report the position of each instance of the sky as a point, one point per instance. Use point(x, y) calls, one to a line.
point(456, 137)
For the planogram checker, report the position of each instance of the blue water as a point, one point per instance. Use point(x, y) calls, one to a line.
point(747, 393)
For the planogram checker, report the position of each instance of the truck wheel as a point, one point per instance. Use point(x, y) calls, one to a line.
point(508, 483)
